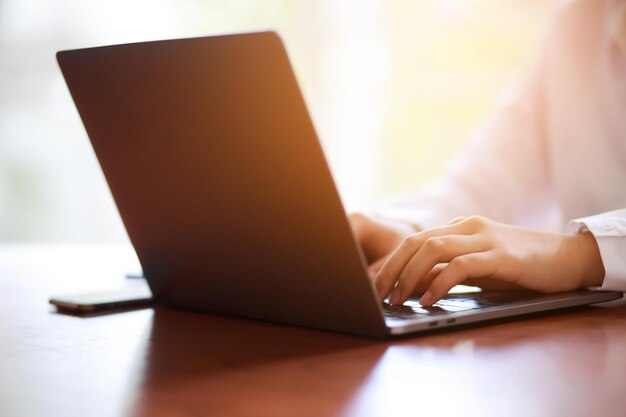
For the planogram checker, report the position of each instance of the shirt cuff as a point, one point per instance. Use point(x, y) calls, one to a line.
point(609, 230)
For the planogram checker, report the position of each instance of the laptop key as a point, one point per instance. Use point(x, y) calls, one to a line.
point(454, 308)
point(412, 312)
point(466, 304)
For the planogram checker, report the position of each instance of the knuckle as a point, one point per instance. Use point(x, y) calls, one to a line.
point(434, 244)
point(461, 264)
point(412, 240)
point(476, 221)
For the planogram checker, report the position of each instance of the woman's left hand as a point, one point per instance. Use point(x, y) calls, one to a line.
point(476, 250)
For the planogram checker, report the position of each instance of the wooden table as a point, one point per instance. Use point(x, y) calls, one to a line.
point(166, 362)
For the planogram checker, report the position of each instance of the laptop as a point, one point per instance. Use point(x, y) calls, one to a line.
point(214, 164)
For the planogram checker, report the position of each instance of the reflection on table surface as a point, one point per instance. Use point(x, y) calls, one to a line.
point(551, 365)
point(165, 362)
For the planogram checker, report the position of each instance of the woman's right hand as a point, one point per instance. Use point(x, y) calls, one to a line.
point(378, 238)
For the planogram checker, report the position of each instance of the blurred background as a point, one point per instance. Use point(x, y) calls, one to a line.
point(394, 89)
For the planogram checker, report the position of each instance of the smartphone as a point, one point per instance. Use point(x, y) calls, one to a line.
point(105, 300)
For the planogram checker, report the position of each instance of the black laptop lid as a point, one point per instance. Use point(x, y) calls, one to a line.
point(215, 167)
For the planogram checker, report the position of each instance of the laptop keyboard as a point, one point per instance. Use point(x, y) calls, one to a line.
point(412, 309)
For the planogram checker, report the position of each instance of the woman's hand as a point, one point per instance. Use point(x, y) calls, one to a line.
point(378, 238)
point(476, 250)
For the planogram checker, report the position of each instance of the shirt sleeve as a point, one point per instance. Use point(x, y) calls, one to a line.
point(501, 175)
point(609, 230)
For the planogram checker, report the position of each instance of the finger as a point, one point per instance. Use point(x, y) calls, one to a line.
point(434, 251)
point(376, 238)
point(458, 270)
point(375, 267)
point(425, 282)
point(391, 269)
point(361, 228)
point(457, 219)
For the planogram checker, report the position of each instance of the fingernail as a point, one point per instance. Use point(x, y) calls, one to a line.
point(396, 295)
point(426, 298)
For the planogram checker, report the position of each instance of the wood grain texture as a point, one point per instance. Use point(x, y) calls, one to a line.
point(166, 362)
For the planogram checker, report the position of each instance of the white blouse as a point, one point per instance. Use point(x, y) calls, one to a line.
point(553, 156)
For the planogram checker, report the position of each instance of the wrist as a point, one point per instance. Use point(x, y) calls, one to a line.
point(587, 255)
